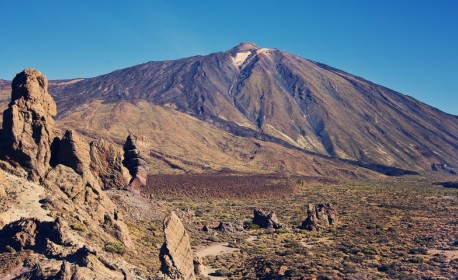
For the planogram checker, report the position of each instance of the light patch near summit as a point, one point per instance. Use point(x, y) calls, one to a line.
point(240, 58)
point(262, 50)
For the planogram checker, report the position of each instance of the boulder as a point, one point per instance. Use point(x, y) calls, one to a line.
point(229, 227)
point(199, 267)
point(320, 216)
point(134, 161)
point(266, 220)
point(106, 165)
point(28, 128)
point(177, 258)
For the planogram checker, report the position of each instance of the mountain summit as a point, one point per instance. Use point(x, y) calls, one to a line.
point(274, 96)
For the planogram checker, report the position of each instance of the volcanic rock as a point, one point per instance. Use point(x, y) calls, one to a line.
point(199, 267)
point(73, 152)
point(320, 216)
point(69, 271)
point(106, 165)
point(32, 234)
point(117, 229)
point(176, 255)
point(229, 227)
point(266, 220)
point(135, 163)
point(28, 126)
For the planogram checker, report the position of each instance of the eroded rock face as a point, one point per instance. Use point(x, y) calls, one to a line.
point(135, 163)
point(266, 220)
point(106, 164)
point(32, 234)
point(28, 126)
point(320, 216)
point(176, 255)
point(199, 267)
point(73, 152)
point(31, 146)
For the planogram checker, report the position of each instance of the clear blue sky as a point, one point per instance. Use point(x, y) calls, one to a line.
point(409, 46)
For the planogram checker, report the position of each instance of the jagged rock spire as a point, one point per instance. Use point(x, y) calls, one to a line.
point(28, 125)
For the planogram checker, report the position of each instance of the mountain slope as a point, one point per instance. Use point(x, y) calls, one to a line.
point(279, 97)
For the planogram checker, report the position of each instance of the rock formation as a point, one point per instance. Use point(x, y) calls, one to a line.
point(266, 220)
point(199, 267)
point(73, 152)
point(106, 165)
point(30, 142)
point(28, 126)
point(229, 227)
point(320, 216)
point(176, 255)
point(32, 234)
point(135, 163)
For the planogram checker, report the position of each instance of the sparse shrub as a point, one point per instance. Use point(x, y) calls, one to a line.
point(223, 272)
point(281, 230)
point(387, 268)
point(332, 230)
point(426, 241)
point(391, 229)
point(153, 227)
point(292, 244)
point(199, 213)
point(416, 259)
point(247, 224)
point(418, 250)
point(148, 240)
point(291, 272)
point(370, 251)
point(212, 238)
point(348, 268)
point(115, 247)
point(77, 227)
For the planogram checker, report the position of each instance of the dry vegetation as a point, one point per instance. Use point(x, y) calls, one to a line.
point(398, 229)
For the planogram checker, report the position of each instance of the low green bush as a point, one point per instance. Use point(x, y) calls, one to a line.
point(115, 247)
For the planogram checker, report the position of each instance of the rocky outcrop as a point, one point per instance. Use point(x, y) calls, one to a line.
point(230, 227)
point(106, 165)
point(73, 152)
point(176, 255)
point(28, 126)
point(32, 234)
point(89, 201)
point(65, 169)
point(199, 267)
point(135, 163)
point(320, 216)
point(266, 220)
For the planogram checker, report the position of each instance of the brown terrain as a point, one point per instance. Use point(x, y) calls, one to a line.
point(247, 164)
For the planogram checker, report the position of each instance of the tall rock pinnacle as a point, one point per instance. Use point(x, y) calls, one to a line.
point(28, 124)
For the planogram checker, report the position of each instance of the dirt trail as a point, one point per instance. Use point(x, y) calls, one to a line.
point(215, 250)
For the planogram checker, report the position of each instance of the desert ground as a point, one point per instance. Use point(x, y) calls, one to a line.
point(395, 228)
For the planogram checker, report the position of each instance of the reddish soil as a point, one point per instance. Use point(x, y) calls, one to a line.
point(218, 186)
